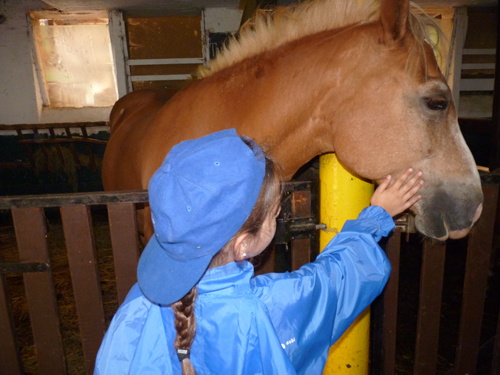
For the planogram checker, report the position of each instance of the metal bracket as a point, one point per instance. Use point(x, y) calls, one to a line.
point(405, 224)
point(299, 212)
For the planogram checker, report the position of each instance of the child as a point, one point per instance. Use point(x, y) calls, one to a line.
point(197, 309)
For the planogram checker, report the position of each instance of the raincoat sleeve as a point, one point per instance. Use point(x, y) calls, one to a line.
point(312, 307)
point(135, 342)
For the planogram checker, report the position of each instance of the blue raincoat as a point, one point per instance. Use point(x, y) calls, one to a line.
point(270, 324)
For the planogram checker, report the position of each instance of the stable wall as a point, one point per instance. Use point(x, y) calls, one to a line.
point(19, 95)
point(18, 101)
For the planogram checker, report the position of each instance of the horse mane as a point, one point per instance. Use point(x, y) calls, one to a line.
point(269, 29)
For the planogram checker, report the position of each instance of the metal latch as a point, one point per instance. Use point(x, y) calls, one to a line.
point(294, 229)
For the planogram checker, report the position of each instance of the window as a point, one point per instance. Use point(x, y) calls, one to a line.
point(74, 59)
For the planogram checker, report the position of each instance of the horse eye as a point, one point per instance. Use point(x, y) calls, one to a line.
point(436, 104)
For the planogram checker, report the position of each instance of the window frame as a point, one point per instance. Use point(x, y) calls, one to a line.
point(116, 30)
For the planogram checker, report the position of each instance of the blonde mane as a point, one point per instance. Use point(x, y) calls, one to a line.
point(269, 29)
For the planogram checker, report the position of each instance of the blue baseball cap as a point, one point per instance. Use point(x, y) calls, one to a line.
point(200, 197)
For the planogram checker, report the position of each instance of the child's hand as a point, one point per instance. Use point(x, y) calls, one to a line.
point(401, 195)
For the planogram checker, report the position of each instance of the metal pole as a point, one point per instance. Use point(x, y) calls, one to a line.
point(342, 197)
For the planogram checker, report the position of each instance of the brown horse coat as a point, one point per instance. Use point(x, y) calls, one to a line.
point(368, 89)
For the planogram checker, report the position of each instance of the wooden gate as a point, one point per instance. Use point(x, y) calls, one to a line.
point(31, 230)
point(296, 244)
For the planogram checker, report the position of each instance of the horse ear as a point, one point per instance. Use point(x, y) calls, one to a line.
point(394, 17)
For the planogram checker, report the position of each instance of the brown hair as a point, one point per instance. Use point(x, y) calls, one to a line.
point(267, 202)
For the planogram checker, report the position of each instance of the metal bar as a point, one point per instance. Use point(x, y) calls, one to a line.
point(79, 237)
point(56, 125)
point(161, 77)
point(64, 140)
point(31, 158)
point(10, 357)
point(390, 310)
point(475, 284)
point(58, 148)
point(29, 224)
point(196, 60)
point(281, 239)
point(406, 224)
point(314, 188)
point(44, 150)
point(73, 149)
point(429, 312)
point(85, 198)
point(300, 248)
point(125, 242)
point(291, 186)
point(93, 164)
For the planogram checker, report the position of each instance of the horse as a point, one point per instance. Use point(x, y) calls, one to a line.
point(352, 77)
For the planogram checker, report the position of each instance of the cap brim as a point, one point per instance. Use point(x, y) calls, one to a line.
point(164, 280)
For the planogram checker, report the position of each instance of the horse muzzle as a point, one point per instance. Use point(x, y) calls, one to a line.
point(444, 215)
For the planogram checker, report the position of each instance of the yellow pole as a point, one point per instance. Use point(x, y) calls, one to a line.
point(342, 197)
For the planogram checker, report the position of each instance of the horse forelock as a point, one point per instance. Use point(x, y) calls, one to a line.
point(269, 29)
point(425, 30)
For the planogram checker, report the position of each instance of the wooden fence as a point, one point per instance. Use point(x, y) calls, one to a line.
point(298, 221)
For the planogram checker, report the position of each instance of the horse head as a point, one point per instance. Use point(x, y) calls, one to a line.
point(398, 112)
point(352, 77)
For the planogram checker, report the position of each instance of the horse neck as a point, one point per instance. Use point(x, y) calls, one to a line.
point(306, 86)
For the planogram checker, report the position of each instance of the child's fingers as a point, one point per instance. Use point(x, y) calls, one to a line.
point(414, 190)
point(384, 184)
point(412, 201)
point(412, 183)
point(413, 180)
point(401, 180)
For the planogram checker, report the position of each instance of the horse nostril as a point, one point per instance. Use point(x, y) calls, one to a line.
point(477, 214)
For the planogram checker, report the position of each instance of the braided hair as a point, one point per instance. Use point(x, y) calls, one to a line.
point(185, 325)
